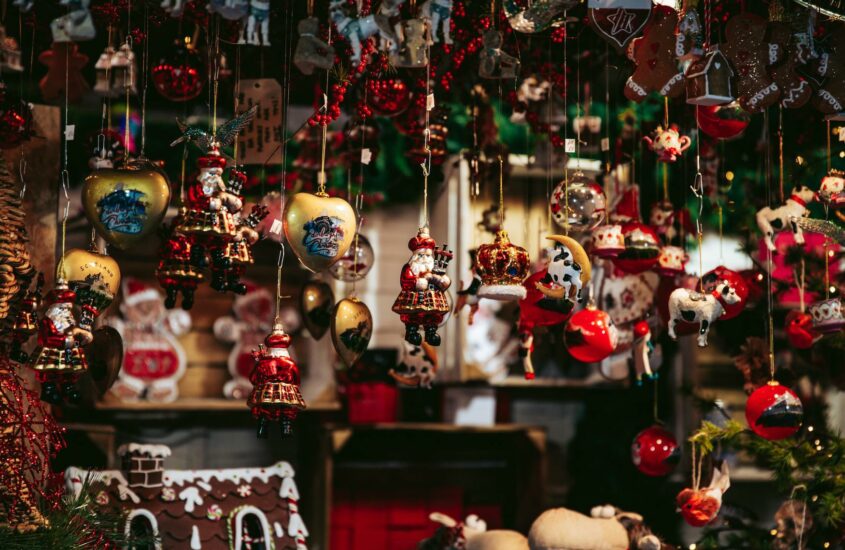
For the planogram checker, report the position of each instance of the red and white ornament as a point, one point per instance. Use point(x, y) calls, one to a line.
point(699, 507)
point(774, 412)
point(800, 331)
point(590, 335)
point(607, 241)
point(642, 248)
point(827, 316)
point(691, 306)
point(832, 189)
point(671, 261)
point(668, 144)
point(655, 451)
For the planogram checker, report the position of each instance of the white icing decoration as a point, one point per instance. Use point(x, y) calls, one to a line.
point(235, 475)
point(75, 478)
point(195, 538)
point(295, 524)
point(192, 498)
point(155, 451)
point(237, 522)
point(150, 517)
point(288, 489)
point(280, 532)
point(204, 486)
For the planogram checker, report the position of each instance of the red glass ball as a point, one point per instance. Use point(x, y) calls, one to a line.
point(722, 121)
point(642, 248)
point(774, 412)
point(180, 74)
point(800, 331)
point(388, 97)
point(15, 121)
point(590, 335)
point(712, 278)
point(655, 451)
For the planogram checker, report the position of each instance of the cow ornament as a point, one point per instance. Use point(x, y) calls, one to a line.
point(692, 306)
point(770, 220)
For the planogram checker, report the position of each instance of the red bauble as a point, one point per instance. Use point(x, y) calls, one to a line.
point(180, 74)
point(590, 335)
point(655, 451)
point(774, 412)
point(722, 121)
point(642, 248)
point(800, 331)
point(388, 96)
point(15, 121)
point(737, 281)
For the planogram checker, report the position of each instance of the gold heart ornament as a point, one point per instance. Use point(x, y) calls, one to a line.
point(125, 205)
point(319, 228)
point(316, 302)
point(94, 277)
point(352, 327)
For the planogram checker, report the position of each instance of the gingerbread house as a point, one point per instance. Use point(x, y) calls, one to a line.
point(708, 79)
point(199, 509)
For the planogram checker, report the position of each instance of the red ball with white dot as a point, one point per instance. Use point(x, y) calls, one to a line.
point(774, 412)
point(655, 451)
point(591, 335)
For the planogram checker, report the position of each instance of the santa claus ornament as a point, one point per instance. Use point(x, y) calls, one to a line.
point(699, 507)
point(423, 301)
point(175, 272)
point(774, 412)
point(591, 335)
point(59, 359)
point(275, 378)
point(655, 451)
point(153, 359)
point(26, 321)
point(502, 266)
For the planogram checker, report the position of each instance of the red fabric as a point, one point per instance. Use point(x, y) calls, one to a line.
point(372, 402)
point(408, 281)
point(150, 364)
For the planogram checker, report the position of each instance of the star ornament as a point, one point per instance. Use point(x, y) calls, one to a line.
point(623, 21)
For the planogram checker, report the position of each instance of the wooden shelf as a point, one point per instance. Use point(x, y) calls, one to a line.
point(435, 427)
point(209, 404)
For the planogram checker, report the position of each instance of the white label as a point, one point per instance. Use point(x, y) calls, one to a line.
point(605, 144)
point(70, 131)
point(569, 145)
point(276, 227)
point(429, 102)
point(366, 156)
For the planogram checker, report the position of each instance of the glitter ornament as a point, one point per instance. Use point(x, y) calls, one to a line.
point(655, 451)
point(15, 120)
point(388, 96)
point(642, 248)
point(722, 121)
point(590, 335)
point(180, 74)
point(578, 204)
point(502, 266)
point(356, 262)
point(774, 412)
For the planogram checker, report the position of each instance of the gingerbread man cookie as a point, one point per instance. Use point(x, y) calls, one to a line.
point(830, 97)
point(795, 89)
point(750, 52)
point(654, 54)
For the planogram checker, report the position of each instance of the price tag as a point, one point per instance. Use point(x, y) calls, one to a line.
point(261, 140)
point(605, 144)
point(366, 156)
point(70, 132)
point(569, 145)
point(276, 227)
point(429, 102)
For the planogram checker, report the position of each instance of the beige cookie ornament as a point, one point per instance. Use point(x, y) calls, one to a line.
point(497, 539)
point(563, 529)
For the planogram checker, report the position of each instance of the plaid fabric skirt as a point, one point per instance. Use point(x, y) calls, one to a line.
point(426, 301)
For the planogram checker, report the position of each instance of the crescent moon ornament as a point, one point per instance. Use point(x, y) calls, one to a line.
point(568, 260)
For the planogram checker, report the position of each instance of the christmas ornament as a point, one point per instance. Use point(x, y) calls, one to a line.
point(105, 358)
point(179, 75)
point(578, 203)
point(437, 134)
point(539, 308)
point(667, 143)
point(714, 277)
point(153, 359)
point(316, 302)
point(252, 318)
point(413, 49)
point(26, 321)
point(358, 30)
point(708, 80)
point(627, 297)
point(125, 206)
point(774, 412)
point(691, 306)
point(352, 327)
point(116, 72)
point(800, 330)
point(654, 55)
point(233, 10)
point(10, 53)
point(722, 121)
point(417, 367)
point(750, 52)
point(827, 316)
point(568, 271)
point(59, 359)
point(439, 13)
point(256, 32)
point(275, 380)
point(689, 39)
point(590, 335)
point(642, 248)
point(311, 51)
point(361, 141)
point(701, 506)
point(536, 17)
point(832, 189)
point(319, 228)
point(671, 261)
point(15, 120)
point(174, 272)
point(770, 220)
point(493, 62)
point(793, 521)
point(607, 241)
point(77, 25)
point(16, 271)
point(642, 349)
point(93, 278)
point(796, 90)
point(423, 299)
point(356, 262)
point(620, 25)
point(502, 266)
point(64, 65)
point(830, 97)
point(388, 96)
point(655, 451)
point(754, 363)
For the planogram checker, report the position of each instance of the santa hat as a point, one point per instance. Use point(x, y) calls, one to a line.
point(61, 294)
point(421, 241)
point(135, 292)
point(278, 339)
point(212, 160)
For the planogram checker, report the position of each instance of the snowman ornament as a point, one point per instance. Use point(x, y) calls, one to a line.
point(153, 359)
point(250, 322)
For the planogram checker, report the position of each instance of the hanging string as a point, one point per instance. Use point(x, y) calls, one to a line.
point(769, 293)
point(502, 191)
point(780, 152)
point(607, 108)
point(698, 190)
point(126, 118)
point(721, 232)
point(656, 416)
point(65, 175)
point(237, 104)
point(429, 105)
point(565, 131)
point(826, 271)
point(321, 176)
point(285, 105)
point(145, 74)
point(216, 73)
point(828, 146)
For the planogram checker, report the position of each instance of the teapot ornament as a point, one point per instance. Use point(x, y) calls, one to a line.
point(667, 143)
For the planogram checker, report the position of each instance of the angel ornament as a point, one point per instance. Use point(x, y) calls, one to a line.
point(494, 63)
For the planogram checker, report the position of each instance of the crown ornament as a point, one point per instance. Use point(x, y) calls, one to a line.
point(502, 267)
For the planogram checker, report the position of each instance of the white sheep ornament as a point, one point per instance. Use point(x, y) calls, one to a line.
point(691, 306)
